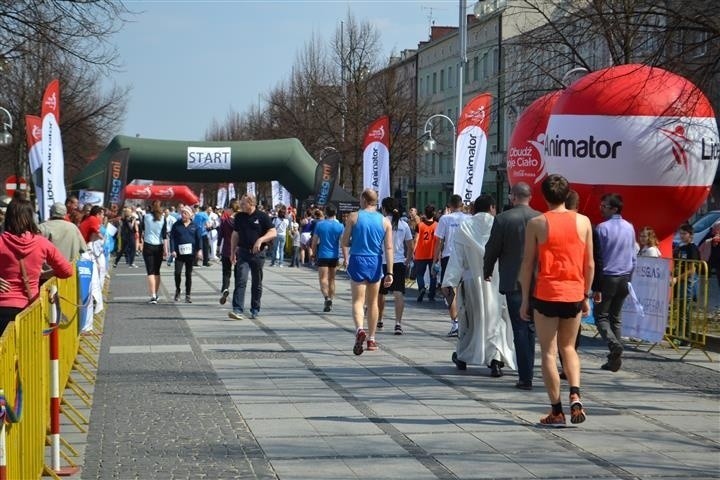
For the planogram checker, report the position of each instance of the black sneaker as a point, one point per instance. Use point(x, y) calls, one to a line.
point(187, 299)
point(224, 296)
point(421, 294)
point(153, 300)
point(398, 329)
point(177, 295)
point(328, 305)
point(458, 363)
point(380, 325)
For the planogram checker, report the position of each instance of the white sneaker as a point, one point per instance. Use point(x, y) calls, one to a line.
point(453, 330)
point(236, 315)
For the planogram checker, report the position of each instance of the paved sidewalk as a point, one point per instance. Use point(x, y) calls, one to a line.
point(184, 392)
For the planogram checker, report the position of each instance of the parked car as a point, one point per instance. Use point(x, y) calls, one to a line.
point(701, 227)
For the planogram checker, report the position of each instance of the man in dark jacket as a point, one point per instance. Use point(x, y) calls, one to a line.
point(506, 244)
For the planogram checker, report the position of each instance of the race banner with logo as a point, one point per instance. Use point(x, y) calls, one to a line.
point(33, 133)
point(644, 312)
point(221, 196)
point(202, 198)
point(280, 194)
point(376, 157)
point(53, 163)
point(251, 189)
point(231, 191)
point(116, 179)
point(325, 176)
point(471, 148)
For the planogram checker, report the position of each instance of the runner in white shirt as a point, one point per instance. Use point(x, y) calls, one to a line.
point(402, 250)
point(445, 232)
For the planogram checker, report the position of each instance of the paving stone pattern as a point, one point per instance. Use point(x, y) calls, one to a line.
point(282, 396)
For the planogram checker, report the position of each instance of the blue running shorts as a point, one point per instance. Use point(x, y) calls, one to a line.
point(365, 268)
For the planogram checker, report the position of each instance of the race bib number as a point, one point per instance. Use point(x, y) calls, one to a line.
point(185, 249)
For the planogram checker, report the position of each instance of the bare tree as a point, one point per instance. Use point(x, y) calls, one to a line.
point(555, 36)
point(79, 29)
point(68, 40)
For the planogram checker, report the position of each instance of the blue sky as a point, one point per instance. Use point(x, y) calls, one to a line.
point(188, 62)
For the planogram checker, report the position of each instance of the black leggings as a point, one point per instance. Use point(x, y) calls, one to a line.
point(187, 261)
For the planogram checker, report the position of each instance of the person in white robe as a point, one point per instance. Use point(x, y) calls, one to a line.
point(485, 333)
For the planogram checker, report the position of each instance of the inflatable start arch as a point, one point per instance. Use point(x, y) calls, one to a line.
point(284, 160)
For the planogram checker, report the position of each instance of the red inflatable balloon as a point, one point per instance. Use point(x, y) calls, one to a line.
point(524, 162)
point(642, 132)
point(180, 193)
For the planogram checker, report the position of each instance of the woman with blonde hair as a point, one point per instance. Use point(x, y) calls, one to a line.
point(154, 247)
point(648, 243)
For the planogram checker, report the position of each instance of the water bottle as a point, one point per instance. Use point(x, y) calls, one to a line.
point(436, 268)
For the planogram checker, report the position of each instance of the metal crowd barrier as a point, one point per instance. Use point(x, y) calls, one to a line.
point(688, 312)
point(28, 382)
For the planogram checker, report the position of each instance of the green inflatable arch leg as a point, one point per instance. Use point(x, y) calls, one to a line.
point(284, 160)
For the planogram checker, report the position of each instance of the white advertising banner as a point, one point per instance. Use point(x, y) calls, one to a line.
point(53, 165)
point(251, 189)
point(376, 158)
point(221, 197)
point(209, 158)
point(280, 194)
point(471, 148)
point(645, 311)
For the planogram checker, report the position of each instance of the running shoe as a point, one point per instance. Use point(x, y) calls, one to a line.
point(359, 340)
point(328, 305)
point(398, 329)
point(577, 413)
point(236, 315)
point(254, 313)
point(453, 330)
point(177, 295)
point(421, 294)
point(153, 300)
point(552, 420)
point(372, 345)
point(224, 296)
point(187, 299)
point(380, 324)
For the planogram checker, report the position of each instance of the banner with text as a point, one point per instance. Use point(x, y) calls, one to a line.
point(53, 162)
point(33, 134)
point(645, 314)
point(251, 189)
point(280, 194)
point(471, 148)
point(376, 157)
point(209, 158)
point(116, 180)
point(325, 176)
point(221, 196)
point(231, 192)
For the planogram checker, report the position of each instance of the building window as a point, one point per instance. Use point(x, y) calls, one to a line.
point(450, 77)
point(434, 82)
point(432, 165)
point(442, 80)
point(421, 87)
point(495, 61)
point(476, 68)
point(485, 65)
point(466, 73)
point(427, 85)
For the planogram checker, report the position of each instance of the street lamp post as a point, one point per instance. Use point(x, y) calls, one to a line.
point(430, 144)
point(6, 137)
